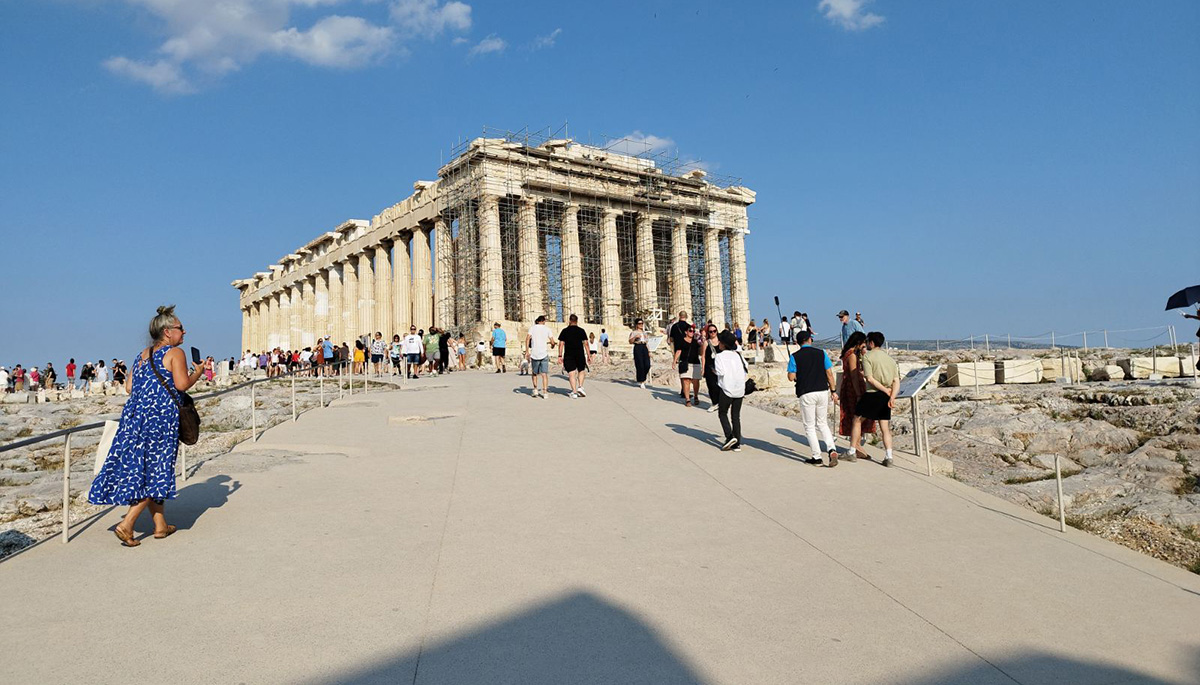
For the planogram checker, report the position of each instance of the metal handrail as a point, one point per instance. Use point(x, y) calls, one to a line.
point(66, 433)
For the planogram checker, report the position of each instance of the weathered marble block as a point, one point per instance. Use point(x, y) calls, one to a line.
point(1144, 367)
point(1019, 371)
point(1054, 368)
point(967, 374)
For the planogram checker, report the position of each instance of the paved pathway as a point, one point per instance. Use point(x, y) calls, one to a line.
point(504, 539)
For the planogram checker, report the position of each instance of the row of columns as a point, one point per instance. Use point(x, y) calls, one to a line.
point(383, 288)
point(378, 289)
point(532, 286)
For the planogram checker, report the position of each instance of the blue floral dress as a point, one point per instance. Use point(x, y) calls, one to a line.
point(141, 462)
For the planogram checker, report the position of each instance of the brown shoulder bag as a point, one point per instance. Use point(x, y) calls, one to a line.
point(189, 418)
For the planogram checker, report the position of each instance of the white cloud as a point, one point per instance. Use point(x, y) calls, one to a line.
point(161, 75)
point(849, 14)
point(488, 45)
point(207, 39)
point(546, 41)
point(335, 42)
point(429, 18)
point(638, 143)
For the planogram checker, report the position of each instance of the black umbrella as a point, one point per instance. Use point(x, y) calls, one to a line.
point(1184, 298)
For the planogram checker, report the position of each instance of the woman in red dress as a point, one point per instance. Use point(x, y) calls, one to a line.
point(854, 383)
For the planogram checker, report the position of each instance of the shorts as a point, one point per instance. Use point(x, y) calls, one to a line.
point(436, 356)
point(873, 406)
point(376, 358)
point(497, 351)
point(537, 366)
point(574, 364)
point(413, 357)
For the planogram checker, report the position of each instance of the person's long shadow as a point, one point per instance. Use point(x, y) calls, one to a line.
point(196, 499)
point(715, 440)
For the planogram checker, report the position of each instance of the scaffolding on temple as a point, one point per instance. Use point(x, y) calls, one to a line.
point(653, 180)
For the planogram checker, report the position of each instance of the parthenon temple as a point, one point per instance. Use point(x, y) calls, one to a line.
point(512, 229)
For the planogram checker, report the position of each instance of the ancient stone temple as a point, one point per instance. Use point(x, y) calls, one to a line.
point(512, 229)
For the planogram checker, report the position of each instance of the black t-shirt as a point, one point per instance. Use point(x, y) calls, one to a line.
point(677, 331)
point(574, 340)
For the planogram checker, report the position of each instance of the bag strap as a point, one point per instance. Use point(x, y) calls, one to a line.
point(161, 380)
point(745, 366)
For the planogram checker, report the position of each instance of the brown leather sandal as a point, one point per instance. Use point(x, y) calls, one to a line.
point(170, 529)
point(127, 539)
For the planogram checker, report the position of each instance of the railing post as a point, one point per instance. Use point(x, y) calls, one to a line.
point(1052, 340)
point(293, 398)
point(1085, 341)
point(66, 489)
point(183, 462)
point(351, 378)
point(1106, 339)
point(987, 342)
point(253, 415)
point(925, 442)
point(321, 382)
point(1062, 509)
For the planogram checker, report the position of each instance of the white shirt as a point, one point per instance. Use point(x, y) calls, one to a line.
point(731, 373)
point(101, 374)
point(412, 344)
point(539, 341)
point(481, 346)
point(784, 329)
point(306, 356)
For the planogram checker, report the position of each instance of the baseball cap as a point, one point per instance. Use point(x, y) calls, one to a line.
point(843, 313)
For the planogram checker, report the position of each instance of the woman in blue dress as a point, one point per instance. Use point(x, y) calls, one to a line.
point(140, 468)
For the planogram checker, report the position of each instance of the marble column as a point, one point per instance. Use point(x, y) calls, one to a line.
point(321, 303)
point(532, 290)
point(610, 264)
point(714, 292)
point(647, 278)
point(681, 287)
point(383, 290)
point(443, 284)
point(422, 279)
point(273, 321)
point(308, 300)
point(258, 316)
point(366, 292)
point(402, 285)
point(290, 303)
point(572, 263)
point(490, 276)
point(246, 330)
point(738, 287)
point(336, 325)
point(350, 328)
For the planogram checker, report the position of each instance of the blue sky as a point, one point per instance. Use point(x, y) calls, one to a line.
point(947, 168)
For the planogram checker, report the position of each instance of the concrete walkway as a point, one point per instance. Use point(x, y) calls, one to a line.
point(503, 539)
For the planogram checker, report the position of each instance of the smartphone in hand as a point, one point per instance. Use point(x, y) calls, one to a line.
point(196, 356)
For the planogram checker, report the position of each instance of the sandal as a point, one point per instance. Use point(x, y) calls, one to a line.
point(160, 535)
point(127, 539)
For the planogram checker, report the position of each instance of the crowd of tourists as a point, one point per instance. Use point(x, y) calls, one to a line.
point(21, 379)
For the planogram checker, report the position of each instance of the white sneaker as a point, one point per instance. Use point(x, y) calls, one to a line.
point(543, 396)
point(713, 408)
point(582, 393)
point(573, 396)
point(642, 386)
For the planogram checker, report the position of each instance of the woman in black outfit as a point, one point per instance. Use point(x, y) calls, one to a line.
point(641, 352)
point(711, 346)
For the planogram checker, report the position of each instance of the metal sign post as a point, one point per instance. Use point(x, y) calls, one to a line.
point(910, 387)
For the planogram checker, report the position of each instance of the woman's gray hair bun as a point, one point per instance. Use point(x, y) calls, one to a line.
point(164, 319)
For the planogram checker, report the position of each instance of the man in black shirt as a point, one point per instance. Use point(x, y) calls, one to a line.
point(574, 355)
point(676, 334)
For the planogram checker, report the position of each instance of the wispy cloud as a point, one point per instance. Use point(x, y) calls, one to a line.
point(489, 45)
point(207, 40)
point(429, 18)
point(638, 143)
point(850, 14)
point(546, 41)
